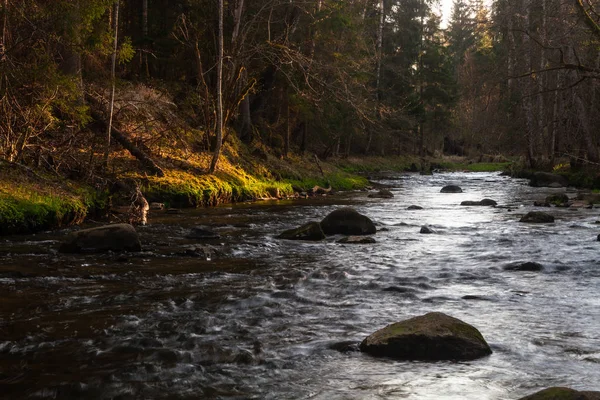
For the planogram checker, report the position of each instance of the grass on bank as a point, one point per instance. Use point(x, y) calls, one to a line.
point(30, 202)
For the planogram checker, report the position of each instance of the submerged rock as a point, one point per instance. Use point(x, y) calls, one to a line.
point(484, 202)
point(357, 240)
point(546, 179)
point(426, 230)
point(451, 189)
point(116, 237)
point(347, 221)
point(431, 337)
point(524, 266)
point(311, 231)
point(541, 204)
point(562, 393)
point(537, 217)
point(413, 207)
point(382, 194)
point(201, 233)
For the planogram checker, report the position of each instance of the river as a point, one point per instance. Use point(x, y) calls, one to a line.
point(258, 318)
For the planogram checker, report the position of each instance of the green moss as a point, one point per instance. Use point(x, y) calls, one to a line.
point(184, 189)
point(337, 181)
point(34, 213)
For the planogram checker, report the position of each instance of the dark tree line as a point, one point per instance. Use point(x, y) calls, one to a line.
point(326, 76)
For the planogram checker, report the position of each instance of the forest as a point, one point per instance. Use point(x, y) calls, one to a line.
point(89, 88)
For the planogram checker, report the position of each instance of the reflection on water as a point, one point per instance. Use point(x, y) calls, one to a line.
point(259, 319)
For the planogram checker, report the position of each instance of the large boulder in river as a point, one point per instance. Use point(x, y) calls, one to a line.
point(347, 221)
point(537, 217)
point(451, 189)
point(116, 237)
point(562, 393)
point(431, 337)
point(311, 231)
point(546, 179)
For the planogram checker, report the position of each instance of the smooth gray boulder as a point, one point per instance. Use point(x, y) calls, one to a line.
point(430, 337)
point(537, 217)
point(310, 231)
point(116, 237)
point(347, 221)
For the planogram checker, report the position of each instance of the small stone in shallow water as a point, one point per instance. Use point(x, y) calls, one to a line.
point(202, 233)
point(451, 189)
point(413, 207)
point(524, 266)
point(426, 230)
point(357, 240)
point(537, 217)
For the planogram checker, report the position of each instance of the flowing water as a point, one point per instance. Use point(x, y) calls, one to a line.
point(259, 318)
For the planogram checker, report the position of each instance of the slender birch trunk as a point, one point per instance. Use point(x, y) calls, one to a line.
point(219, 132)
point(113, 84)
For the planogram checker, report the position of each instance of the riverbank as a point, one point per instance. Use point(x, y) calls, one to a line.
point(32, 201)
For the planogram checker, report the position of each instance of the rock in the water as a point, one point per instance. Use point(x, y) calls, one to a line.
point(598, 238)
point(537, 217)
point(562, 393)
point(311, 231)
point(524, 266)
point(546, 179)
point(426, 230)
point(488, 202)
point(347, 346)
point(201, 233)
point(347, 221)
point(357, 240)
point(116, 237)
point(413, 207)
point(431, 337)
point(157, 206)
point(541, 204)
point(558, 199)
point(451, 189)
point(382, 194)
point(484, 202)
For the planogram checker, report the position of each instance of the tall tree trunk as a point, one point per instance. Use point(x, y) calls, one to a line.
point(145, 48)
point(379, 55)
point(219, 132)
point(421, 80)
point(3, 45)
point(530, 130)
point(113, 84)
